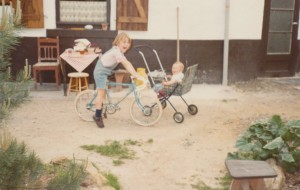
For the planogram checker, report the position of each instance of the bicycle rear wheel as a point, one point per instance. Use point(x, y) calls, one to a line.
point(85, 105)
point(149, 114)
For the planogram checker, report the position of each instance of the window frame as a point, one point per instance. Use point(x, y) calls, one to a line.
point(96, 25)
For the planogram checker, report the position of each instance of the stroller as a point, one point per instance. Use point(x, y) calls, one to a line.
point(179, 89)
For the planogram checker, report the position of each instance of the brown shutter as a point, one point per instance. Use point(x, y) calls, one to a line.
point(132, 15)
point(32, 12)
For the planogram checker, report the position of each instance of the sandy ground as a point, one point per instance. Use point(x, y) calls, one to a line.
point(180, 155)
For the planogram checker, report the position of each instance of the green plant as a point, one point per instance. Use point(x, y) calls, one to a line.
point(113, 149)
point(112, 181)
point(68, 176)
point(18, 167)
point(12, 90)
point(224, 183)
point(118, 162)
point(272, 138)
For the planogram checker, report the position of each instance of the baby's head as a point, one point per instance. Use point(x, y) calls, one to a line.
point(177, 67)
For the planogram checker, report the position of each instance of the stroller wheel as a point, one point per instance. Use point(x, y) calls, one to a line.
point(163, 103)
point(192, 109)
point(178, 117)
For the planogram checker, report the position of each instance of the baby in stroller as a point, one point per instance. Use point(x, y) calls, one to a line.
point(167, 87)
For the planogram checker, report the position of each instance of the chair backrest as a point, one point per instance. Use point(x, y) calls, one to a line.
point(187, 82)
point(48, 49)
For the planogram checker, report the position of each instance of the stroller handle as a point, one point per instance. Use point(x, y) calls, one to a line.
point(138, 47)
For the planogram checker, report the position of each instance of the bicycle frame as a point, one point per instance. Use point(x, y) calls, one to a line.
point(132, 88)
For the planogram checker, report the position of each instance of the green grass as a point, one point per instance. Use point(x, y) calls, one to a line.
point(112, 181)
point(117, 150)
point(224, 183)
point(118, 162)
point(112, 149)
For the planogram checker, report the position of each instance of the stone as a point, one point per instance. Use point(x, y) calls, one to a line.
point(275, 183)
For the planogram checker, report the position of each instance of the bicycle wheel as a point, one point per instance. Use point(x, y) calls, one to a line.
point(85, 105)
point(149, 114)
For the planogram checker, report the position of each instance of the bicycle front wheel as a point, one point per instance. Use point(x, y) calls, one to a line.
point(146, 110)
point(85, 104)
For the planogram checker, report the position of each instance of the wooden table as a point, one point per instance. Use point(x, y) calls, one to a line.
point(78, 62)
point(249, 174)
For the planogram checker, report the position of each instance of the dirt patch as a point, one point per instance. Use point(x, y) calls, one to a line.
point(180, 154)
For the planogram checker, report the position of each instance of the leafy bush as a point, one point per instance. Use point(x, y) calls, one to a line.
point(273, 138)
point(18, 167)
point(22, 170)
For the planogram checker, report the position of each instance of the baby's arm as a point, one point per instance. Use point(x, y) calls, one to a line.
point(176, 78)
point(166, 83)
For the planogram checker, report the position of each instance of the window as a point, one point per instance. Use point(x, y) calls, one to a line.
point(131, 14)
point(70, 14)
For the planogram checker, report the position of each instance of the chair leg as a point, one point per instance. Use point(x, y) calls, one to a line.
point(77, 84)
point(79, 81)
point(70, 86)
point(86, 83)
point(40, 77)
point(57, 78)
point(35, 78)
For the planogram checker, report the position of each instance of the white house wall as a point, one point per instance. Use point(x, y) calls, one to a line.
point(246, 19)
point(203, 19)
point(198, 19)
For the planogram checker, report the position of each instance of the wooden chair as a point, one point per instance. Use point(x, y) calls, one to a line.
point(48, 60)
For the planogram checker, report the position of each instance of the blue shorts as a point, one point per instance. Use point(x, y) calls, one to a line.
point(101, 73)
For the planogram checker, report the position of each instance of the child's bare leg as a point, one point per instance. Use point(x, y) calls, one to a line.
point(100, 98)
point(99, 101)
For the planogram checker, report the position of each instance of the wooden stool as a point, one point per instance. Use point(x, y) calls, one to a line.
point(249, 174)
point(78, 82)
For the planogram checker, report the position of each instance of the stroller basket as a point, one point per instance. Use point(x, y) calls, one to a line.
point(186, 85)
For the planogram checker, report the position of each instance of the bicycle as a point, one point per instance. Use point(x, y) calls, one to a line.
point(145, 109)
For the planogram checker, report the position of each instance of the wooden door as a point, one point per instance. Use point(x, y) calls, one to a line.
point(280, 37)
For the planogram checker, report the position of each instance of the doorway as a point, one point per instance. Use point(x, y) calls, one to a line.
point(280, 33)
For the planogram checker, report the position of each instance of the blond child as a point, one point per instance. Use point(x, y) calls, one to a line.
point(104, 67)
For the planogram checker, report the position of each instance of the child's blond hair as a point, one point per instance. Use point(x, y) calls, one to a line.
point(121, 37)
